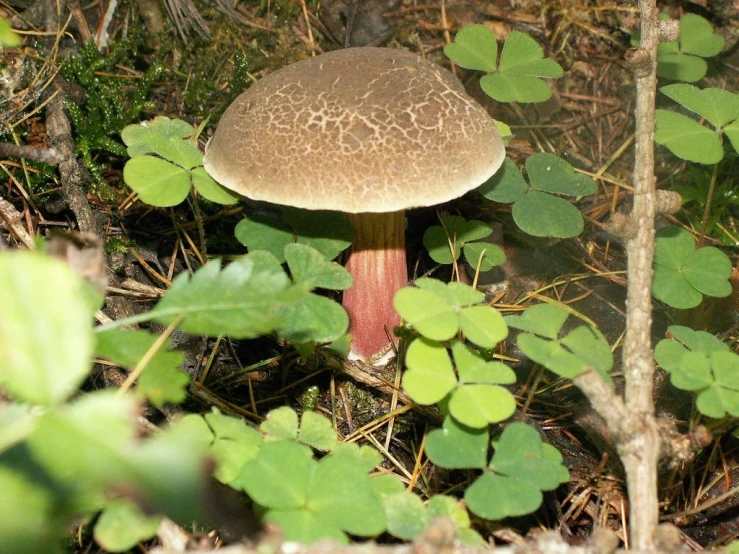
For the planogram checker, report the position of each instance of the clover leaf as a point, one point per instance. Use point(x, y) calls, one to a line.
point(568, 356)
point(517, 78)
point(682, 60)
point(164, 165)
point(535, 208)
point(455, 234)
point(682, 274)
point(697, 361)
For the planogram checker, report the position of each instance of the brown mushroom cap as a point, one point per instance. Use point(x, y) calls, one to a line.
point(356, 130)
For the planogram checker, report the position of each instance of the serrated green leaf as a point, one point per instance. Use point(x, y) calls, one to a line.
point(281, 423)
point(432, 316)
point(264, 232)
point(506, 87)
point(210, 190)
point(496, 497)
point(430, 374)
point(717, 105)
point(45, 328)
point(522, 55)
point(122, 525)
point(697, 37)
point(311, 269)
point(483, 325)
point(506, 186)
point(708, 270)
point(681, 67)
point(687, 139)
point(240, 300)
point(456, 446)
point(316, 431)
point(477, 406)
point(280, 476)
point(156, 181)
point(543, 215)
point(485, 254)
point(328, 232)
point(473, 368)
point(474, 47)
point(550, 173)
point(541, 319)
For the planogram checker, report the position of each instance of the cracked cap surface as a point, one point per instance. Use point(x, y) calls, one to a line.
point(355, 130)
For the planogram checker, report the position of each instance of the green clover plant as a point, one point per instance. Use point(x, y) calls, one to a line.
point(517, 77)
point(687, 138)
point(697, 361)
point(536, 209)
point(445, 242)
point(165, 164)
point(682, 274)
point(682, 60)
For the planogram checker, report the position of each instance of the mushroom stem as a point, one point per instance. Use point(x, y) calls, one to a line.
point(377, 264)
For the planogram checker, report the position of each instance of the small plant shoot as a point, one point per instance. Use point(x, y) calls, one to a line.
point(445, 242)
point(517, 77)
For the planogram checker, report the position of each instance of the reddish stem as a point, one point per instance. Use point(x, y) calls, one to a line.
point(377, 264)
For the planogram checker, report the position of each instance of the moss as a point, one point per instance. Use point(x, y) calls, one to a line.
point(118, 244)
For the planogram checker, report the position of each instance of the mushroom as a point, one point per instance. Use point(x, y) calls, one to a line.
point(366, 131)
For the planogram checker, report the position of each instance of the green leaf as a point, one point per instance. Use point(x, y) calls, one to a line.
point(543, 215)
point(313, 319)
point(671, 288)
point(717, 105)
point(281, 423)
point(495, 497)
point(241, 300)
point(210, 190)
point(697, 37)
point(432, 316)
point(45, 328)
point(162, 380)
point(454, 230)
point(732, 133)
point(550, 173)
point(264, 232)
point(522, 55)
point(122, 525)
point(235, 444)
point(700, 341)
point(541, 319)
point(687, 139)
point(328, 232)
point(342, 493)
point(164, 137)
point(591, 347)
point(305, 527)
point(506, 186)
point(474, 47)
point(311, 269)
point(407, 517)
point(30, 518)
point(456, 446)
point(430, 374)
point(279, 477)
point(473, 368)
point(551, 355)
point(316, 431)
point(483, 325)
point(694, 373)
point(477, 406)
point(708, 270)
point(457, 294)
point(8, 37)
point(507, 87)
point(681, 67)
point(483, 253)
point(156, 181)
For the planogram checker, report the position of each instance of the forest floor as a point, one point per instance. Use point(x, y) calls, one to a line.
point(206, 57)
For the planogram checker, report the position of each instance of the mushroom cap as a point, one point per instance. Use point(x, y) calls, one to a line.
point(355, 130)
